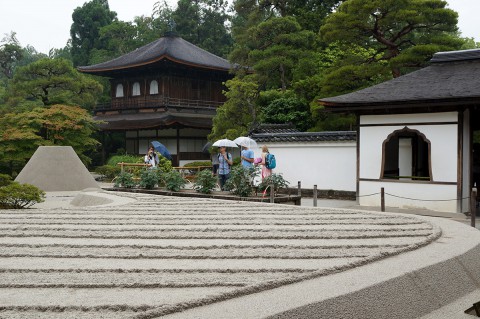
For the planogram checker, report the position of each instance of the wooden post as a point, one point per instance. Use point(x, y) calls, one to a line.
point(272, 194)
point(121, 167)
point(314, 195)
point(382, 199)
point(473, 206)
point(299, 188)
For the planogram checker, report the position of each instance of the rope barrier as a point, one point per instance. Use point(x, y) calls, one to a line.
point(428, 200)
point(367, 195)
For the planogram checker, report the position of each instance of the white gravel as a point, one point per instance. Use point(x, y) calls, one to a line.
point(157, 254)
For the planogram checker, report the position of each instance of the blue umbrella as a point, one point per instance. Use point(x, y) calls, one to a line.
point(159, 147)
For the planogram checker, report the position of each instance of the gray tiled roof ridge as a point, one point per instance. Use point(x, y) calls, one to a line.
point(172, 47)
point(446, 81)
point(305, 136)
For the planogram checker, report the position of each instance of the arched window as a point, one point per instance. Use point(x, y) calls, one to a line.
point(136, 89)
point(406, 156)
point(119, 91)
point(154, 87)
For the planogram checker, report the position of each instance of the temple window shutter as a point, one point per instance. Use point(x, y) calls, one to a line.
point(154, 87)
point(136, 89)
point(119, 91)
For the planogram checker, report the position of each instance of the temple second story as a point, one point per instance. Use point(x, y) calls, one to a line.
point(167, 86)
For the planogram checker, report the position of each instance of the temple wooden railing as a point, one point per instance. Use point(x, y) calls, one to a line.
point(155, 102)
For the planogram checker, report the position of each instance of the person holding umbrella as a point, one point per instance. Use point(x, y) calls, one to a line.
point(225, 161)
point(151, 159)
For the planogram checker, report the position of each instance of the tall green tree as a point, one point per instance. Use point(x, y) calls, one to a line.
point(52, 81)
point(405, 33)
point(10, 54)
point(278, 46)
point(85, 29)
point(240, 112)
point(204, 23)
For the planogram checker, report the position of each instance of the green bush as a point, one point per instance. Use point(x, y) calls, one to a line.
point(115, 159)
point(240, 181)
point(149, 178)
point(236, 161)
point(164, 164)
point(197, 164)
point(124, 179)
point(108, 171)
point(16, 195)
point(173, 180)
point(205, 182)
point(5, 180)
point(276, 180)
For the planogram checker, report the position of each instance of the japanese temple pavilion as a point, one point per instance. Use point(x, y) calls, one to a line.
point(416, 135)
point(167, 90)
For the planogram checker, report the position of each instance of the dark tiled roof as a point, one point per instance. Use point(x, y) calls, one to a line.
point(344, 136)
point(170, 47)
point(452, 76)
point(274, 128)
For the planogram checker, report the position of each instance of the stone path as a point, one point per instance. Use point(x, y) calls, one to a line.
point(159, 255)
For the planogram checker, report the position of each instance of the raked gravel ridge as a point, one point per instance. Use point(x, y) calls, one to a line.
point(155, 255)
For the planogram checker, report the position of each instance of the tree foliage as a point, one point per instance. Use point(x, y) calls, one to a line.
point(85, 29)
point(405, 32)
point(240, 112)
point(52, 81)
point(56, 125)
point(204, 23)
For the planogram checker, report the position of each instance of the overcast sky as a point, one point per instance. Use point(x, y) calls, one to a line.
point(45, 24)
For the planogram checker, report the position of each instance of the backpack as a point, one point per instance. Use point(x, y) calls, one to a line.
point(270, 161)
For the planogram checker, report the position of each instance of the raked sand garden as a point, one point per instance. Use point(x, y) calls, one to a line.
point(145, 256)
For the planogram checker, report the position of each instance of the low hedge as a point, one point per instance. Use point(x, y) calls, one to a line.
point(16, 195)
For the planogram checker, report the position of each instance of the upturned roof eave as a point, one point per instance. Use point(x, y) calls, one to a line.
point(149, 62)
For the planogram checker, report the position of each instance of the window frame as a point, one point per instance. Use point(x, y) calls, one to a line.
point(398, 133)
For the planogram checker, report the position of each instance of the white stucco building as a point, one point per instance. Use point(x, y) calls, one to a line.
point(325, 159)
point(415, 134)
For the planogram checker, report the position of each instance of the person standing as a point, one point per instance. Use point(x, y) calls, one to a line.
point(151, 159)
point(247, 157)
point(224, 163)
point(265, 171)
point(215, 162)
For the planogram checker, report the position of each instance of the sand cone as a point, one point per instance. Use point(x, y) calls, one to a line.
point(56, 168)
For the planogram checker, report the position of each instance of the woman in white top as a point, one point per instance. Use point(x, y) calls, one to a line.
point(151, 159)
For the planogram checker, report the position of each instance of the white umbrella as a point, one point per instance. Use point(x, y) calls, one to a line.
point(224, 143)
point(246, 141)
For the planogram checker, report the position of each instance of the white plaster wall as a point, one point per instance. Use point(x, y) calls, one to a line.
point(439, 197)
point(329, 165)
point(443, 138)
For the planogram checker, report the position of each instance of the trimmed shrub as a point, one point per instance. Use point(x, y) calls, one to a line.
point(173, 181)
point(16, 195)
point(108, 171)
point(240, 181)
point(5, 180)
point(276, 180)
point(124, 180)
point(149, 178)
point(164, 164)
point(205, 182)
point(115, 159)
point(197, 164)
